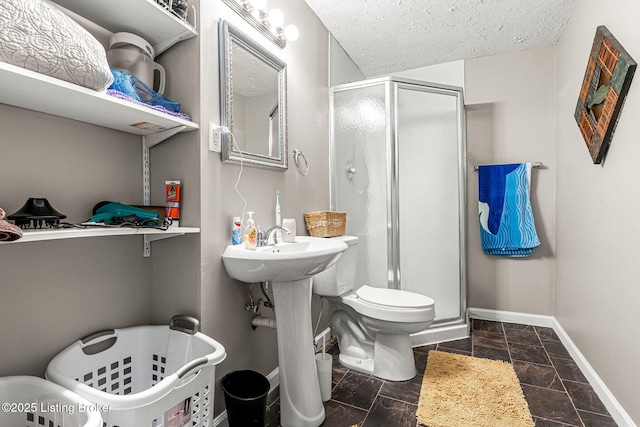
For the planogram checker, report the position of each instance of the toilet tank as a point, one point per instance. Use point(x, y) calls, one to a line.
point(340, 278)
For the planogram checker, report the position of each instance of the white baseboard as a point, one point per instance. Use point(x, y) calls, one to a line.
point(608, 399)
point(511, 317)
point(274, 379)
point(322, 337)
point(220, 420)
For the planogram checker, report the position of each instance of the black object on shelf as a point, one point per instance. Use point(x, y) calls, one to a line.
point(178, 7)
point(35, 213)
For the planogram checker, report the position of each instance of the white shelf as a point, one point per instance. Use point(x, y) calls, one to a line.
point(23, 88)
point(149, 234)
point(145, 18)
point(77, 233)
point(27, 89)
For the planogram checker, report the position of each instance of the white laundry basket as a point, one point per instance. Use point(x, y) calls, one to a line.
point(145, 376)
point(35, 402)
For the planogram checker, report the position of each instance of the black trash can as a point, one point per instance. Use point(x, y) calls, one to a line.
point(245, 394)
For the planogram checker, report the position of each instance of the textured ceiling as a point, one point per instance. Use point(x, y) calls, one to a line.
point(386, 36)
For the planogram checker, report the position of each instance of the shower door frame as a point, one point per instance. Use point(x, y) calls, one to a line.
point(442, 329)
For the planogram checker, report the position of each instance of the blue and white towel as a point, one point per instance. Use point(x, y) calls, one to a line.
point(506, 219)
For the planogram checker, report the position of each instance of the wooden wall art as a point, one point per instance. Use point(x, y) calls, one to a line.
point(606, 82)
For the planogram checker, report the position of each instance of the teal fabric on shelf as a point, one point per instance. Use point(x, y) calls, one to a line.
point(507, 227)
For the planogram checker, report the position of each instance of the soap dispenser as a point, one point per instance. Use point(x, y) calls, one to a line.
point(250, 233)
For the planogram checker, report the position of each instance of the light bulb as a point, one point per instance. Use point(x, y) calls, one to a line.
point(291, 33)
point(258, 4)
point(276, 17)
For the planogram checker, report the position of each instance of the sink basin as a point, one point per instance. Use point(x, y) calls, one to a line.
point(284, 262)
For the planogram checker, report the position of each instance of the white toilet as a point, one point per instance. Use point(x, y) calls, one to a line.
point(372, 325)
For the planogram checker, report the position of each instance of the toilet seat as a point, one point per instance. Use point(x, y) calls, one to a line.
point(393, 297)
point(393, 305)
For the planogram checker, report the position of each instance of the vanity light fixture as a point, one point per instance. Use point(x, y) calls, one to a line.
point(268, 23)
point(276, 18)
point(258, 4)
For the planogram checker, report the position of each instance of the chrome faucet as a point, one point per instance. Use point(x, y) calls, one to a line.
point(267, 234)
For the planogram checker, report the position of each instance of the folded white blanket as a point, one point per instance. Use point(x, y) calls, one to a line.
point(37, 36)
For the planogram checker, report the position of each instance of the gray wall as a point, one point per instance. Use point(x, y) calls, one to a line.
point(520, 108)
point(448, 73)
point(597, 207)
point(174, 271)
point(342, 69)
point(222, 300)
point(510, 119)
point(52, 293)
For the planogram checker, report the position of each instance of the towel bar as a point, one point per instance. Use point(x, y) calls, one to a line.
point(533, 165)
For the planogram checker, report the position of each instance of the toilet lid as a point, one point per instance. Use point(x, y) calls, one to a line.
point(393, 297)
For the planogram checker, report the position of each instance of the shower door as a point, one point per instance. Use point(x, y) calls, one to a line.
point(398, 155)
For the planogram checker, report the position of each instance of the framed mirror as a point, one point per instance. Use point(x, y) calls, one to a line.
point(253, 97)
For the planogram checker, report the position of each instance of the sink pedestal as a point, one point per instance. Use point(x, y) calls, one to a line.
point(300, 399)
point(289, 267)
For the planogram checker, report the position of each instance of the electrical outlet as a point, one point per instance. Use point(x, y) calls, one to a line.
point(214, 138)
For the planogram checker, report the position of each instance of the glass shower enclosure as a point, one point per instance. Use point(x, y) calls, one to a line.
point(398, 169)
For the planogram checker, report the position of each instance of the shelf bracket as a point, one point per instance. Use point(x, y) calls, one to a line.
point(149, 141)
point(186, 34)
point(148, 238)
point(146, 175)
point(146, 249)
point(166, 44)
point(154, 139)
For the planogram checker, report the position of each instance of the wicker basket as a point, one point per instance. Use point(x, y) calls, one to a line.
point(325, 223)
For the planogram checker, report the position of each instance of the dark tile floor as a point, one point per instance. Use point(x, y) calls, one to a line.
point(557, 392)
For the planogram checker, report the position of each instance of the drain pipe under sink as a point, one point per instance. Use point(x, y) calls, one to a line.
point(267, 322)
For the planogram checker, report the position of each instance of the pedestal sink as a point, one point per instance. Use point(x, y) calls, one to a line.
point(289, 267)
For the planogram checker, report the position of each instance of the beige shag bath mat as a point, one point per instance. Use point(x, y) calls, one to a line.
point(465, 391)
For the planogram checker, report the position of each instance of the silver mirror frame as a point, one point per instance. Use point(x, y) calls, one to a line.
point(227, 35)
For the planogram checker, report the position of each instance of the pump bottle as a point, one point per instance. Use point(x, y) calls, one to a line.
point(250, 233)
